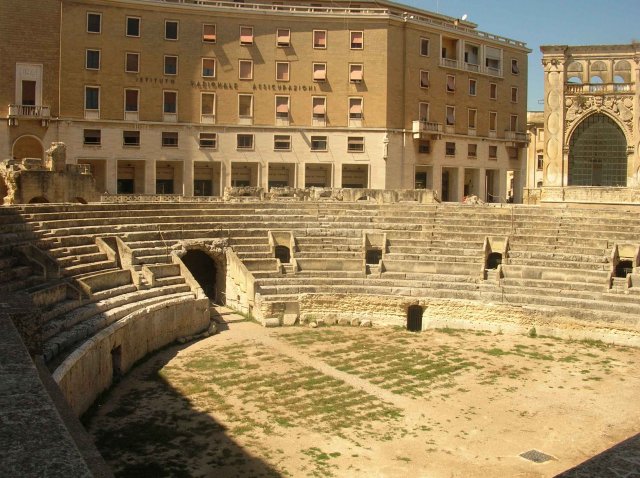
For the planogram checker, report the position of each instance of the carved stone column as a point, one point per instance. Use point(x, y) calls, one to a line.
point(554, 78)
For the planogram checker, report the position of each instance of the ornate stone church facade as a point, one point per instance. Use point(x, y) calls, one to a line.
point(591, 122)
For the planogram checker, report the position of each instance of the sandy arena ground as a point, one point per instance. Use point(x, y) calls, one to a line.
point(358, 402)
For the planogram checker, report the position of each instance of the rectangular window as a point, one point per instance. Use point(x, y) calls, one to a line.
point(245, 106)
point(131, 100)
point(356, 72)
point(450, 148)
point(92, 60)
point(473, 85)
point(207, 107)
point(513, 123)
point(514, 94)
point(424, 46)
point(318, 143)
point(133, 27)
point(170, 65)
point(423, 112)
point(355, 144)
point(424, 147)
point(282, 107)
point(246, 35)
point(515, 69)
point(208, 140)
point(170, 30)
point(493, 91)
point(493, 60)
point(319, 72)
point(319, 107)
point(245, 69)
point(170, 102)
point(319, 39)
point(244, 141)
point(451, 83)
point(424, 79)
point(92, 137)
point(208, 67)
point(169, 139)
point(208, 33)
point(132, 62)
point(540, 162)
point(472, 118)
point(94, 22)
point(472, 150)
point(282, 142)
point(357, 40)
point(513, 153)
point(283, 37)
point(493, 121)
point(282, 71)
point(355, 108)
point(493, 152)
point(131, 138)
point(91, 98)
point(451, 116)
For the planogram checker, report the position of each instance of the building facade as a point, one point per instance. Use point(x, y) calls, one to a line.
point(591, 139)
point(190, 97)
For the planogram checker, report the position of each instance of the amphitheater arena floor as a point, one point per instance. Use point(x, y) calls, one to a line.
point(367, 402)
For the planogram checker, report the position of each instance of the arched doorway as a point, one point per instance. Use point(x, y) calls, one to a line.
point(27, 147)
point(494, 260)
point(623, 268)
point(283, 253)
point(598, 153)
point(39, 200)
point(205, 270)
point(414, 318)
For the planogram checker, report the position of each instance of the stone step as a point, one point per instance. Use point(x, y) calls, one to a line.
point(72, 260)
point(80, 269)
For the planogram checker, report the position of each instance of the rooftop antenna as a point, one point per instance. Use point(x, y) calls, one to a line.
point(464, 17)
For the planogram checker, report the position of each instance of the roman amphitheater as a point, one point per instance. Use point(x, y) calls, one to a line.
point(94, 288)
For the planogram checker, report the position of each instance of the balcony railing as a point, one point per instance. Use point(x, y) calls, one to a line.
point(459, 65)
point(426, 128)
point(515, 136)
point(29, 111)
point(599, 88)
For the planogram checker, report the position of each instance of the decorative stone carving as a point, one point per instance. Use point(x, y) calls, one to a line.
point(579, 107)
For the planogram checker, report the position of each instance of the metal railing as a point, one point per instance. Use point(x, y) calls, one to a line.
point(30, 111)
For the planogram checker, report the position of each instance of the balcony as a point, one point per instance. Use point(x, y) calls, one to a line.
point(599, 88)
point(515, 137)
point(37, 112)
point(426, 130)
point(493, 70)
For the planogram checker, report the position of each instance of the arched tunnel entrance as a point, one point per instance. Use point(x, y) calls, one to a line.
point(208, 272)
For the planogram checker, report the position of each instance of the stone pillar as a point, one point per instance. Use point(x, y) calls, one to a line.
point(482, 184)
point(337, 175)
point(187, 177)
point(225, 176)
point(263, 176)
point(502, 181)
point(300, 175)
point(460, 185)
point(436, 180)
point(150, 176)
point(111, 176)
point(555, 173)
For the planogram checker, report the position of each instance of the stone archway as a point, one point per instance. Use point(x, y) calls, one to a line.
point(207, 263)
point(27, 146)
point(597, 153)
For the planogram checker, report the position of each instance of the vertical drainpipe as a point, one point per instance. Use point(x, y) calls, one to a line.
point(404, 101)
point(59, 73)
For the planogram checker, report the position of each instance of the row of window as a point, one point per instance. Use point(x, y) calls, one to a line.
point(208, 69)
point(133, 28)
point(450, 86)
point(472, 150)
point(282, 107)
point(208, 104)
point(244, 141)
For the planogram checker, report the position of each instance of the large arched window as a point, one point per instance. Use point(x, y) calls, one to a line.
point(598, 153)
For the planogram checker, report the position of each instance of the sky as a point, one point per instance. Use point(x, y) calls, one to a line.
point(546, 22)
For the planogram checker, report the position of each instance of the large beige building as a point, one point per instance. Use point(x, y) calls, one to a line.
point(189, 97)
